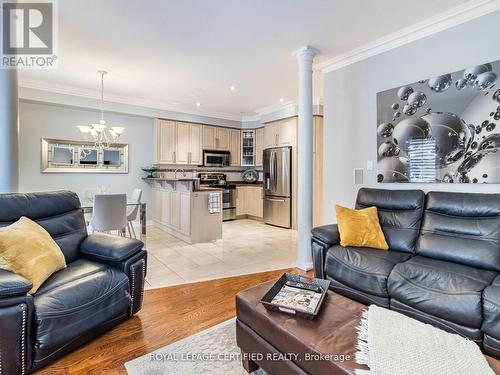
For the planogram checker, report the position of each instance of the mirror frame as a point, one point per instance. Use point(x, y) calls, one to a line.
point(47, 145)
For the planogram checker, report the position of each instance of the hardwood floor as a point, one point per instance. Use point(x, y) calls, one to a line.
point(168, 314)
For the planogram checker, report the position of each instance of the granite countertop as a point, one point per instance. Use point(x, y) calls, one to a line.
point(208, 188)
point(168, 179)
point(258, 183)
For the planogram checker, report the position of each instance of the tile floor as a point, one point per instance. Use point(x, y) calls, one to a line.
point(248, 246)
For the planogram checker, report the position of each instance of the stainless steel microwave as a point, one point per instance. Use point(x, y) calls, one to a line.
point(213, 158)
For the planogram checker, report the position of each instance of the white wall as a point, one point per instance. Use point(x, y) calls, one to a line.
point(48, 121)
point(350, 108)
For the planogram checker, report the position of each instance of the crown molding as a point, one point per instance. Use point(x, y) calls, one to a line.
point(442, 21)
point(275, 108)
point(138, 102)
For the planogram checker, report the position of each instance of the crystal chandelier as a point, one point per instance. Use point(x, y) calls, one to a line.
point(101, 135)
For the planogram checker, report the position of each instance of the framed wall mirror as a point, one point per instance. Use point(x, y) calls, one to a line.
point(87, 156)
point(62, 155)
point(68, 156)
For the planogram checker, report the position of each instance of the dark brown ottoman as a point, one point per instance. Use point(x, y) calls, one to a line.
point(283, 345)
point(325, 345)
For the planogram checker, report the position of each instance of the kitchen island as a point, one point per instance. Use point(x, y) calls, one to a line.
point(185, 212)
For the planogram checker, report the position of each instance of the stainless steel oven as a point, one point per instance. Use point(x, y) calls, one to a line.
point(216, 158)
point(218, 180)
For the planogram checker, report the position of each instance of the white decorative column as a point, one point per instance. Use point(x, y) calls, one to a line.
point(9, 132)
point(305, 57)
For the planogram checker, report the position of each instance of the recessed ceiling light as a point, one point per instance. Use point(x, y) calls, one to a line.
point(282, 100)
point(198, 104)
point(232, 88)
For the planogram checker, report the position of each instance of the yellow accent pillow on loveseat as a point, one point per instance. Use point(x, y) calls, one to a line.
point(360, 228)
point(28, 250)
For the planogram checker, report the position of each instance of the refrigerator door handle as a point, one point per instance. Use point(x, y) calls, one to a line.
point(275, 200)
point(274, 169)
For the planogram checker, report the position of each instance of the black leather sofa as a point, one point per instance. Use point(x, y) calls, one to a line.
point(442, 266)
point(101, 286)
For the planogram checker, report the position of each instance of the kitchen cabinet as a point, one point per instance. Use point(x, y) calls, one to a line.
point(241, 202)
point(259, 146)
point(185, 212)
point(182, 212)
point(209, 137)
point(271, 131)
point(249, 201)
point(280, 133)
point(165, 205)
point(196, 154)
point(235, 146)
point(177, 143)
point(287, 132)
point(216, 138)
point(164, 145)
point(183, 142)
point(222, 138)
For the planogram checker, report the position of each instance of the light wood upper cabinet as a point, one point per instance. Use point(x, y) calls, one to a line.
point(287, 132)
point(259, 145)
point(196, 156)
point(209, 137)
point(164, 143)
point(235, 146)
point(183, 143)
point(280, 133)
point(216, 138)
point(271, 131)
point(222, 139)
point(177, 143)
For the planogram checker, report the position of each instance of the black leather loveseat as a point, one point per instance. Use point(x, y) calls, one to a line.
point(101, 286)
point(442, 266)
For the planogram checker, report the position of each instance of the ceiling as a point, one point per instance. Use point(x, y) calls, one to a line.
point(175, 53)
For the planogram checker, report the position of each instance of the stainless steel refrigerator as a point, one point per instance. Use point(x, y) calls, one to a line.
point(278, 186)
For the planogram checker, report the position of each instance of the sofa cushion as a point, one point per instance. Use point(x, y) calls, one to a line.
point(446, 290)
point(58, 212)
point(462, 228)
point(364, 269)
point(491, 309)
point(76, 300)
point(400, 213)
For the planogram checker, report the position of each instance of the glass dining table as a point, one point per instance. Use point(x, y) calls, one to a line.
point(87, 207)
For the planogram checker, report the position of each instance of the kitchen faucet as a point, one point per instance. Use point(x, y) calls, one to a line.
point(177, 170)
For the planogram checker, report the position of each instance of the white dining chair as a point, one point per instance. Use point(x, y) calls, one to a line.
point(132, 211)
point(109, 213)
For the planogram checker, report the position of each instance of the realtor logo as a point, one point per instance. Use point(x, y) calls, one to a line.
point(28, 34)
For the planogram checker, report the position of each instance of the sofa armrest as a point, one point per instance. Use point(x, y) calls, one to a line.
point(109, 248)
point(323, 238)
point(328, 234)
point(13, 285)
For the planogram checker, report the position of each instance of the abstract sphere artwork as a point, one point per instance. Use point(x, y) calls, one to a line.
point(442, 129)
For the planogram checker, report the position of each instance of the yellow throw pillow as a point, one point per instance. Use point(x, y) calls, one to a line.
point(28, 250)
point(360, 228)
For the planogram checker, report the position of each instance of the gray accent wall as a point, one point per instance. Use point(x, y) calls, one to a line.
point(350, 108)
point(49, 121)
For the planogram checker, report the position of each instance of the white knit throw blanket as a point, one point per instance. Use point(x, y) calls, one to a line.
point(390, 343)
